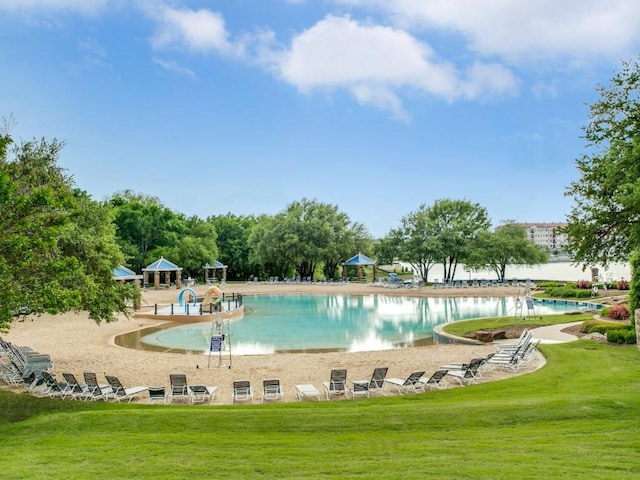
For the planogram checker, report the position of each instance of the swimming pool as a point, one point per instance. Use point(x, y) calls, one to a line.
point(321, 323)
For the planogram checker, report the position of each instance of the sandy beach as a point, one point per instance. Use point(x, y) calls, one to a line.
point(78, 344)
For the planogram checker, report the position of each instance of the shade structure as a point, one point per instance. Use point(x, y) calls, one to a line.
point(124, 274)
point(212, 268)
point(359, 260)
point(160, 266)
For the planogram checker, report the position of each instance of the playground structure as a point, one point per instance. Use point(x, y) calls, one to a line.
point(215, 305)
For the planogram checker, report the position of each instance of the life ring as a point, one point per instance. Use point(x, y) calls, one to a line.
point(212, 295)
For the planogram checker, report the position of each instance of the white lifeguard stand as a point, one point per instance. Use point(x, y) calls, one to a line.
point(220, 342)
point(525, 299)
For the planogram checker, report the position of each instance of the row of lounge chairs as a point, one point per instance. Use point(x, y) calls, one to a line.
point(90, 389)
point(475, 283)
point(22, 366)
point(514, 355)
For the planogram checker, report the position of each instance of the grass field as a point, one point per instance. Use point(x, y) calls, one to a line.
point(578, 417)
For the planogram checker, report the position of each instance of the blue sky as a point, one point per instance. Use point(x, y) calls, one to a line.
point(376, 106)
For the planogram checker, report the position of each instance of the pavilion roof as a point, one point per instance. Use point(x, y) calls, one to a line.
point(216, 264)
point(359, 259)
point(162, 265)
point(123, 273)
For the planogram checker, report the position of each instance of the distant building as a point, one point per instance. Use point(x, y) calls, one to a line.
point(547, 236)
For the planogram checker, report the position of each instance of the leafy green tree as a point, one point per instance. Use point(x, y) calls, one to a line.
point(233, 242)
point(196, 247)
point(347, 239)
point(507, 245)
point(307, 233)
point(604, 225)
point(386, 249)
point(57, 246)
point(263, 241)
point(417, 241)
point(454, 226)
point(144, 225)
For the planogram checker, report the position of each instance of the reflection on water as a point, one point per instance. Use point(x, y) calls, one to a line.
point(321, 323)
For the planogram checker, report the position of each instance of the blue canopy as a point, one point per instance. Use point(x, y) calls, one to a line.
point(123, 273)
point(216, 264)
point(162, 265)
point(359, 259)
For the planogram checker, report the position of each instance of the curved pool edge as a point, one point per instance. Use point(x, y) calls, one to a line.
point(440, 336)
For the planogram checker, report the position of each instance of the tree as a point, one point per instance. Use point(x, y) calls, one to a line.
point(604, 224)
point(307, 233)
point(144, 225)
point(417, 242)
point(196, 246)
point(233, 242)
point(507, 245)
point(57, 246)
point(455, 224)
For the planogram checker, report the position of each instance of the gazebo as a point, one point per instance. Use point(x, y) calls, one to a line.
point(216, 266)
point(124, 274)
point(162, 266)
point(359, 261)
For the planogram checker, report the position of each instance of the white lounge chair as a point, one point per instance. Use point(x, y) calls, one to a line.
point(200, 393)
point(411, 384)
point(119, 393)
point(337, 384)
point(272, 391)
point(375, 384)
point(306, 392)
point(242, 391)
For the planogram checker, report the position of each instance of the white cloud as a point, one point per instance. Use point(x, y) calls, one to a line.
point(175, 68)
point(201, 31)
point(525, 31)
point(86, 6)
point(376, 62)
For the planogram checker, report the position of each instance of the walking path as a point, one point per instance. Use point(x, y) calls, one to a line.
point(554, 334)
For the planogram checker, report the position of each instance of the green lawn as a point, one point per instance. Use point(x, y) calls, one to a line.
point(462, 327)
point(578, 417)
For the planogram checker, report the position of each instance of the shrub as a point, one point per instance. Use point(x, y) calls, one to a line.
point(618, 312)
point(622, 285)
point(583, 284)
point(550, 284)
point(567, 292)
point(623, 336)
point(597, 326)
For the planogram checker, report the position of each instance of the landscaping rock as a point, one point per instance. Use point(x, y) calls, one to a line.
point(484, 336)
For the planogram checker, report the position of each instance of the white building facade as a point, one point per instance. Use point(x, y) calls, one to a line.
point(547, 236)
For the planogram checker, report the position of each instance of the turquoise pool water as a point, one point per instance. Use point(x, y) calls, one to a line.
point(286, 323)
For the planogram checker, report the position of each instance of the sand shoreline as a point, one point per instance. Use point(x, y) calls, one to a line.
point(78, 344)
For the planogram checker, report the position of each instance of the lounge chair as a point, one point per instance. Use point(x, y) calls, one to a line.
point(93, 389)
point(75, 388)
point(242, 391)
point(412, 383)
point(467, 372)
point(119, 393)
point(200, 393)
point(375, 384)
point(337, 384)
point(436, 380)
point(272, 390)
point(157, 394)
point(53, 388)
point(306, 391)
point(179, 387)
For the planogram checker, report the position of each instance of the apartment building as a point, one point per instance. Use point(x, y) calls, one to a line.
point(546, 235)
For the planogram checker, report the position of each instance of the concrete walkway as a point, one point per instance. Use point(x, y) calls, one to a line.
point(553, 334)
